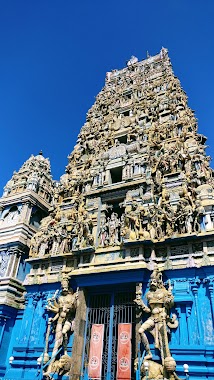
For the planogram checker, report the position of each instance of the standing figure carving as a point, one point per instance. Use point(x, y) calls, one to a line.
point(113, 226)
point(103, 233)
point(62, 323)
point(160, 300)
point(134, 220)
point(199, 222)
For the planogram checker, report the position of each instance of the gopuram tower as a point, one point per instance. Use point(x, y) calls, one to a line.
point(125, 257)
point(25, 202)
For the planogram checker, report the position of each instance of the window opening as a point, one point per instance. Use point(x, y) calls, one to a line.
point(125, 113)
point(36, 217)
point(116, 207)
point(116, 174)
point(122, 139)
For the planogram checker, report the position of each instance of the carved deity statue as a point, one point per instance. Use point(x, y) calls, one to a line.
point(160, 300)
point(199, 223)
point(63, 321)
point(103, 233)
point(134, 220)
point(113, 226)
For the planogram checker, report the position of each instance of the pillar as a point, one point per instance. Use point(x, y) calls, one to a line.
point(79, 333)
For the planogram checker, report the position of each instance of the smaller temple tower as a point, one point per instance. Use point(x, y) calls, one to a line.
point(27, 198)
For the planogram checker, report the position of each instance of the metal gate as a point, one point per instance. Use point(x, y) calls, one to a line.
point(109, 309)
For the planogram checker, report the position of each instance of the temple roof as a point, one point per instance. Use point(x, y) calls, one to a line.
point(35, 175)
point(138, 172)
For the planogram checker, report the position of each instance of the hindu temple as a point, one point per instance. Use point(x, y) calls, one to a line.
point(108, 273)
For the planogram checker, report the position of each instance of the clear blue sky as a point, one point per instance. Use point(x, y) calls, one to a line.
point(54, 56)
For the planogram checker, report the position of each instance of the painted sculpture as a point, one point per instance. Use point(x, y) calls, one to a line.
point(160, 300)
point(63, 325)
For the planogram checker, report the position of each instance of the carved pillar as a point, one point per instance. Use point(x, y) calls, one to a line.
point(44, 319)
point(183, 326)
point(152, 259)
point(194, 286)
point(78, 345)
point(138, 321)
point(5, 266)
point(108, 177)
point(98, 223)
point(189, 326)
point(178, 312)
point(15, 257)
point(31, 302)
point(3, 321)
point(141, 252)
point(211, 292)
point(26, 212)
point(124, 173)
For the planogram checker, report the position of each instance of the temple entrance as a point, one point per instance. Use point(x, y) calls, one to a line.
point(110, 309)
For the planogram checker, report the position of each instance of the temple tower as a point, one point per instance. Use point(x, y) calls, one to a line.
point(25, 202)
point(137, 196)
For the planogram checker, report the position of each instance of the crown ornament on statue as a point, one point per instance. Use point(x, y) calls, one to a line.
point(64, 280)
point(157, 275)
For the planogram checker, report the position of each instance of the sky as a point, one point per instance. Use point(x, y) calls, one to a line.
point(54, 56)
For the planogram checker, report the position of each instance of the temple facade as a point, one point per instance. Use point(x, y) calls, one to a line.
point(109, 273)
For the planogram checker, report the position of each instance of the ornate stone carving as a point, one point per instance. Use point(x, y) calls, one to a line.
point(140, 134)
point(64, 308)
point(4, 260)
point(160, 301)
point(34, 175)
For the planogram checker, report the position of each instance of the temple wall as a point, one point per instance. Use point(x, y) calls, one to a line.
point(192, 341)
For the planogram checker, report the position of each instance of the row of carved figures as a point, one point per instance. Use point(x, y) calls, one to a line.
point(142, 131)
point(168, 161)
point(64, 237)
point(152, 223)
point(136, 223)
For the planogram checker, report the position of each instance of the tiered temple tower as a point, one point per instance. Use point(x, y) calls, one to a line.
point(26, 201)
point(137, 196)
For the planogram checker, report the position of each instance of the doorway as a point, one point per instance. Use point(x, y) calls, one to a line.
point(110, 309)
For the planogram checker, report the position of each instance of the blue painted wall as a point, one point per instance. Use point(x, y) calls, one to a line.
point(192, 342)
point(7, 320)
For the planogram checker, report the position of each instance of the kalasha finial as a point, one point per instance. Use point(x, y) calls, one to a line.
point(40, 153)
